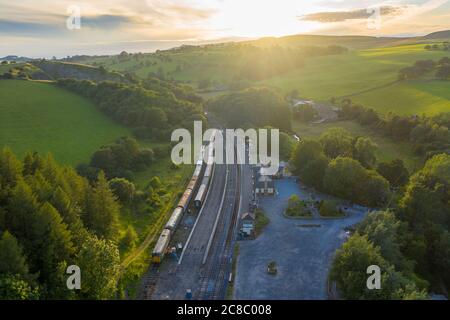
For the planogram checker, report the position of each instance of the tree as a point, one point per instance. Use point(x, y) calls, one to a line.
point(375, 189)
point(253, 107)
point(309, 162)
point(336, 142)
point(394, 171)
point(365, 152)
point(31, 163)
point(287, 144)
point(10, 169)
point(12, 259)
point(100, 261)
point(443, 72)
point(155, 183)
point(104, 159)
point(21, 211)
point(62, 202)
point(382, 229)
point(103, 210)
point(53, 246)
point(130, 238)
point(123, 189)
point(344, 178)
point(425, 208)
point(146, 157)
point(427, 194)
point(13, 287)
point(329, 208)
point(349, 270)
point(348, 179)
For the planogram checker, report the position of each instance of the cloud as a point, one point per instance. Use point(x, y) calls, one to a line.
point(8, 26)
point(107, 21)
point(340, 16)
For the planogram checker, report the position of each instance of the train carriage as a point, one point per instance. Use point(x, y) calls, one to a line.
point(185, 199)
point(192, 184)
point(177, 214)
point(161, 246)
point(175, 219)
point(198, 202)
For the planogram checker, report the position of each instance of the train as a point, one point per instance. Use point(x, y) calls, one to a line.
point(203, 189)
point(182, 206)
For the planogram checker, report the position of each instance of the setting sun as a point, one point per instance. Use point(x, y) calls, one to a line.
point(256, 18)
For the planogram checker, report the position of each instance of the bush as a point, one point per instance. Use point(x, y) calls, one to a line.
point(329, 208)
point(297, 208)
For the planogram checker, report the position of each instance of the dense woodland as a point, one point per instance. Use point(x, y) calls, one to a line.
point(50, 218)
point(252, 107)
point(342, 165)
point(429, 135)
point(411, 242)
point(119, 159)
point(153, 109)
point(410, 239)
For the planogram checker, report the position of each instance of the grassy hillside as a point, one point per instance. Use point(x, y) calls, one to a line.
point(41, 117)
point(6, 67)
point(367, 73)
point(368, 76)
point(409, 97)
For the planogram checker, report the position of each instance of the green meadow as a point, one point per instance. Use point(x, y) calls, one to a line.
point(41, 117)
point(369, 77)
point(368, 73)
point(428, 97)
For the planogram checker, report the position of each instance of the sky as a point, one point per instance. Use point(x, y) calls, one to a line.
point(59, 28)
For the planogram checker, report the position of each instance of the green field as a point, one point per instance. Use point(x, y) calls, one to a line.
point(409, 97)
point(42, 117)
point(368, 77)
point(368, 73)
point(387, 148)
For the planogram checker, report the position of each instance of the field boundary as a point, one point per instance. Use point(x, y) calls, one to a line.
point(386, 85)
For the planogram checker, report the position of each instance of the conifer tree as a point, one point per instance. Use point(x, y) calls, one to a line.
point(103, 210)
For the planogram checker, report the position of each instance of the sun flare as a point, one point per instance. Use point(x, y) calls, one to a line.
point(258, 18)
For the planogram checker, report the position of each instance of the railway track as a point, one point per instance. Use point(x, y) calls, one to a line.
point(150, 279)
point(205, 263)
point(214, 278)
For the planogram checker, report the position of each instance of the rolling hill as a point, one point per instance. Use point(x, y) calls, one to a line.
point(367, 73)
point(370, 77)
point(41, 117)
